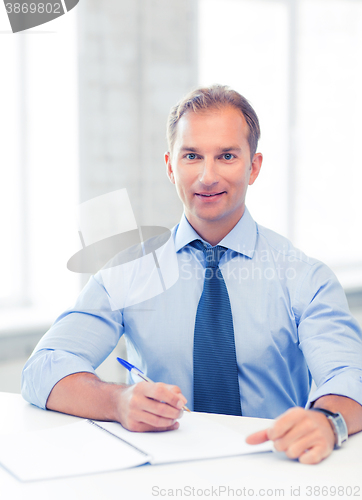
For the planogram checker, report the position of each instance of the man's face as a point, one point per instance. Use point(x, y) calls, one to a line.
point(211, 167)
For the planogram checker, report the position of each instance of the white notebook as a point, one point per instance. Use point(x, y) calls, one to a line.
point(88, 447)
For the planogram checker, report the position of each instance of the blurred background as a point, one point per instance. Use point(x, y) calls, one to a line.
point(84, 101)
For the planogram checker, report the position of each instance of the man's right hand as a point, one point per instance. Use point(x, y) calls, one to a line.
point(148, 406)
point(145, 406)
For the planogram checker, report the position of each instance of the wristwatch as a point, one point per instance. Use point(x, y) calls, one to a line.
point(338, 425)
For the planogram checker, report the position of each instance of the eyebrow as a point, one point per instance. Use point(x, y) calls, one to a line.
point(232, 148)
point(223, 150)
point(185, 148)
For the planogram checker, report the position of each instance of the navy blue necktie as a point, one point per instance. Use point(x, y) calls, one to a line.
point(216, 384)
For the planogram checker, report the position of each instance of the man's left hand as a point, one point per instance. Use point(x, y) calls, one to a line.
point(303, 434)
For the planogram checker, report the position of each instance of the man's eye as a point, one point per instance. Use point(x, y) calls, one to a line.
point(191, 156)
point(228, 156)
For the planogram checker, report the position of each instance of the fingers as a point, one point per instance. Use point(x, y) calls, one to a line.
point(301, 434)
point(151, 407)
point(258, 437)
point(169, 394)
point(303, 450)
point(146, 428)
point(313, 456)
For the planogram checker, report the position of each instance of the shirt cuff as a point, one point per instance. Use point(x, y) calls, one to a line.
point(348, 384)
point(44, 369)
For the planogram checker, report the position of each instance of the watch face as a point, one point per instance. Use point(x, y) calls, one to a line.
point(340, 429)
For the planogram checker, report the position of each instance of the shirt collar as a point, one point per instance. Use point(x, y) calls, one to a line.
point(241, 239)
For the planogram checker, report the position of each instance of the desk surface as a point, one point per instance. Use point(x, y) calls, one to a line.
point(268, 474)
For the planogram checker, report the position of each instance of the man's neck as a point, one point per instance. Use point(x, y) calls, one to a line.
point(213, 232)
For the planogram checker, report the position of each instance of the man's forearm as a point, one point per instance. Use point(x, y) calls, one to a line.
point(85, 395)
point(350, 410)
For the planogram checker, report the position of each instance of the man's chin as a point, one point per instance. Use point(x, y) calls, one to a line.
point(209, 215)
point(212, 215)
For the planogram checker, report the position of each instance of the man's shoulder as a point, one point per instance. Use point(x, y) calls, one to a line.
point(309, 274)
point(279, 245)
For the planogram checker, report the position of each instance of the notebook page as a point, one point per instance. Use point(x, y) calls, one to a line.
point(197, 438)
point(70, 450)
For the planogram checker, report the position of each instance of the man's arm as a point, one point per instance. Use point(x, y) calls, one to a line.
point(140, 407)
point(307, 434)
point(60, 373)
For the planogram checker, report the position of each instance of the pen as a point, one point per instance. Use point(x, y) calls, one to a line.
point(136, 371)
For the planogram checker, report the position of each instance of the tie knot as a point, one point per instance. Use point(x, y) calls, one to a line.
point(212, 254)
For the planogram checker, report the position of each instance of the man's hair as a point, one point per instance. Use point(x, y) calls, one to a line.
point(214, 97)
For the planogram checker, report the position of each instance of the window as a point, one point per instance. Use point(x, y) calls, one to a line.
point(39, 169)
point(298, 62)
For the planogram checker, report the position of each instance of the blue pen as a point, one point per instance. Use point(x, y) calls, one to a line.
point(136, 371)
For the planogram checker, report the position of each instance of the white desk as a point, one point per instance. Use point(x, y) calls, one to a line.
point(259, 474)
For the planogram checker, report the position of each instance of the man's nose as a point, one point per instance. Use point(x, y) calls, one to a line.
point(208, 174)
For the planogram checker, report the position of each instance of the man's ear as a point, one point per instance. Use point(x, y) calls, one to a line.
point(170, 174)
point(255, 167)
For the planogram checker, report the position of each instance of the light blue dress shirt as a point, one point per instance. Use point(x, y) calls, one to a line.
point(290, 314)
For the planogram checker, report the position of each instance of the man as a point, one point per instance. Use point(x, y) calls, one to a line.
point(289, 321)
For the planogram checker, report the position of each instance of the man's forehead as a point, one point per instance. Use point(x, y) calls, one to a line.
point(202, 114)
point(226, 124)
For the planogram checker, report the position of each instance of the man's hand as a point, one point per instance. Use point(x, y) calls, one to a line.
point(150, 407)
point(146, 406)
point(303, 434)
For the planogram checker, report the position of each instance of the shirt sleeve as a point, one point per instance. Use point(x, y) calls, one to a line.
point(79, 341)
point(329, 337)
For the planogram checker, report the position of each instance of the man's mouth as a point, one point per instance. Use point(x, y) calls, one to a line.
point(210, 195)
